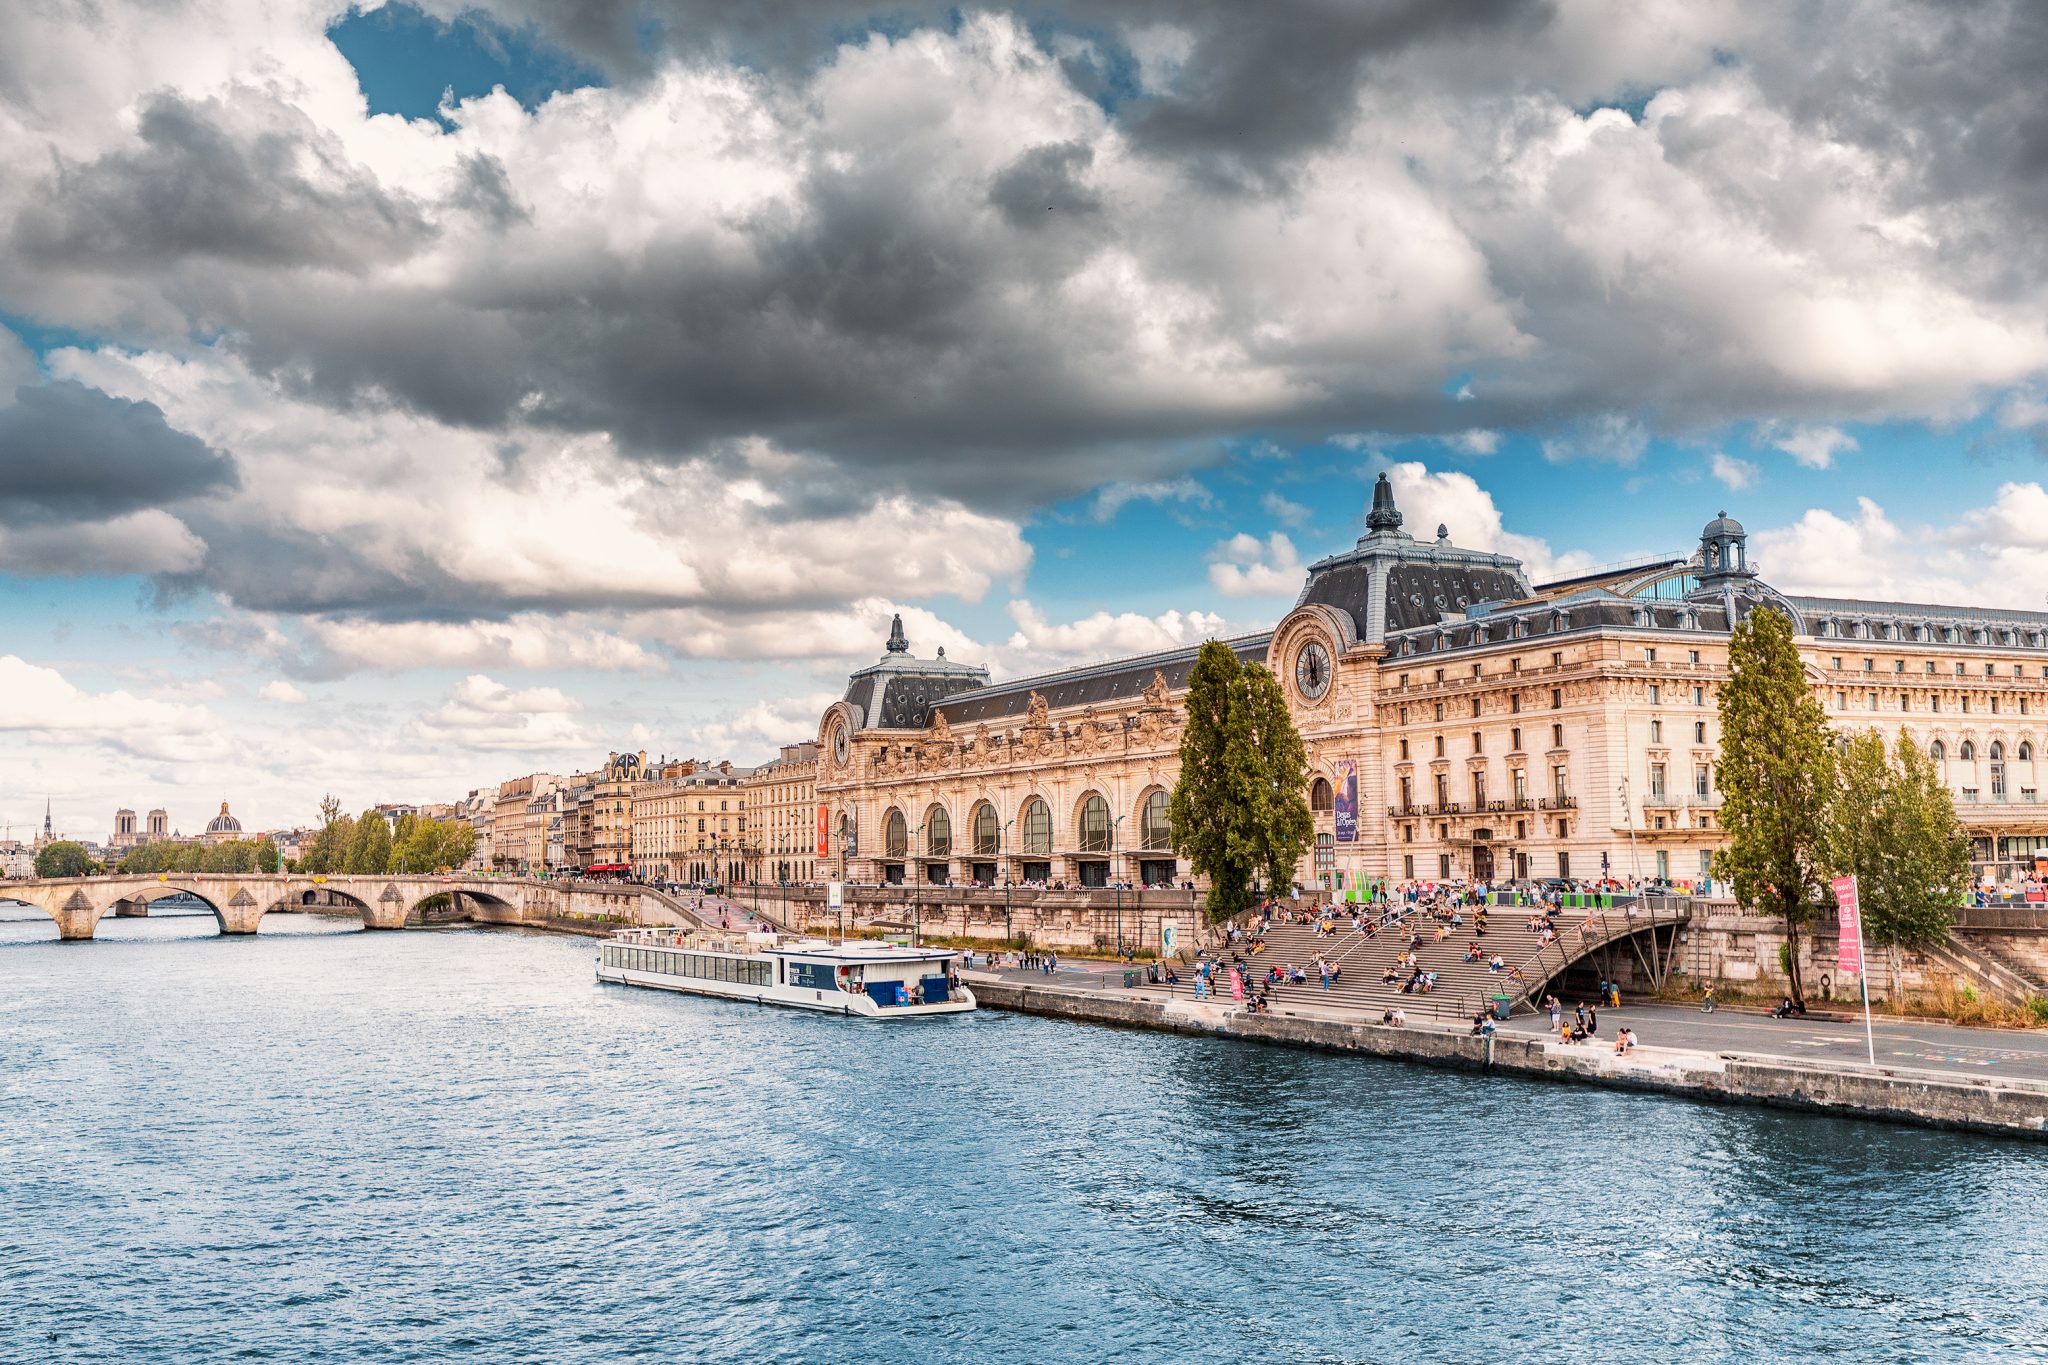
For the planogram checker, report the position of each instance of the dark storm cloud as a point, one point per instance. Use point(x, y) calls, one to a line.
point(72, 453)
point(196, 186)
point(1045, 180)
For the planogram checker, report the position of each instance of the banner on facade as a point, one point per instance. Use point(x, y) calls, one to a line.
point(824, 831)
point(1347, 801)
point(1849, 950)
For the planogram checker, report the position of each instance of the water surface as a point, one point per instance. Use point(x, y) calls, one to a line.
point(321, 1143)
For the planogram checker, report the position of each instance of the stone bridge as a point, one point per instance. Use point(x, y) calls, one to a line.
point(239, 901)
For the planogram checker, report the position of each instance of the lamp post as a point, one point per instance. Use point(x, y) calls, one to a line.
point(1008, 934)
point(916, 905)
point(1635, 855)
point(1114, 826)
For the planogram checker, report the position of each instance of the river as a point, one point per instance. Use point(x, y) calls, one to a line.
point(446, 1145)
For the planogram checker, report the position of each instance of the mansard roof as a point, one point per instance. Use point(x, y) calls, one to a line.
point(1099, 684)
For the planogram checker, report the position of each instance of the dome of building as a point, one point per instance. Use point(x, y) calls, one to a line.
point(224, 823)
point(1721, 525)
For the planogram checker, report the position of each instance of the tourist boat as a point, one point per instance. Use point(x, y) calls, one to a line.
point(872, 980)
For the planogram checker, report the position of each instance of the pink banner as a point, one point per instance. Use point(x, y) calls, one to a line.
point(1849, 951)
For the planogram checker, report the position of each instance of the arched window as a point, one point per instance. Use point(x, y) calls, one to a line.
point(1936, 752)
point(1997, 751)
point(1319, 795)
point(1094, 824)
point(938, 833)
point(895, 835)
point(987, 835)
point(1037, 823)
point(1968, 753)
point(2026, 752)
point(846, 843)
point(1155, 830)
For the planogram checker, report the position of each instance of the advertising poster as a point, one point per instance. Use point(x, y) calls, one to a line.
point(1347, 800)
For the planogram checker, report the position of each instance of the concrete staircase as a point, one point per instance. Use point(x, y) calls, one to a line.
point(1462, 987)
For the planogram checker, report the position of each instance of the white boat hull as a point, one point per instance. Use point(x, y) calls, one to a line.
point(792, 997)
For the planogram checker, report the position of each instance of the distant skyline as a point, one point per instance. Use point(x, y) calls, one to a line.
point(396, 399)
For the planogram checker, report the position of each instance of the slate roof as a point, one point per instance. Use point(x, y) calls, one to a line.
point(1118, 681)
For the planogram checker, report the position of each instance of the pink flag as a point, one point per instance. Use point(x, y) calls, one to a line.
point(1849, 951)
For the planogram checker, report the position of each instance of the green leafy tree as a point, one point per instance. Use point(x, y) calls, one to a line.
point(268, 857)
point(1285, 826)
point(1892, 825)
point(1238, 808)
point(369, 846)
point(1776, 774)
point(64, 858)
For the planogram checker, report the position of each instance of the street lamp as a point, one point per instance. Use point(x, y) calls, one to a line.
point(1114, 826)
point(916, 907)
point(1008, 933)
point(1635, 855)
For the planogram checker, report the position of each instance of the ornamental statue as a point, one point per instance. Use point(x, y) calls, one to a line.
point(1155, 694)
point(1036, 712)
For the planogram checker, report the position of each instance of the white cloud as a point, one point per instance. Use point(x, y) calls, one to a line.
point(527, 641)
point(1813, 447)
point(1113, 498)
point(42, 704)
point(1285, 512)
point(150, 541)
point(1038, 645)
point(533, 722)
point(1245, 566)
point(1453, 499)
point(1473, 441)
point(1995, 555)
point(283, 693)
point(1734, 473)
point(753, 734)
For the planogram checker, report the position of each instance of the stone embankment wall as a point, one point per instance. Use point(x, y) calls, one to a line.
point(1920, 1097)
point(1067, 921)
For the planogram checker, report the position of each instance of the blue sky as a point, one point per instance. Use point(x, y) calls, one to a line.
point(410, 397)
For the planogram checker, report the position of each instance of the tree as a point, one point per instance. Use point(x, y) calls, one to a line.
point(369, 846)
point(1892, 825)
point(1237, 808)
point(1285, 827)
point(268, 857)
point(1776, 774)
point(64, 858)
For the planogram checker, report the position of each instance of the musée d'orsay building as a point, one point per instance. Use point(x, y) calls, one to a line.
point(1461, 722)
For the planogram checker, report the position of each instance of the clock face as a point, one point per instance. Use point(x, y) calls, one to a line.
point(1312, 670)
point(839, 742)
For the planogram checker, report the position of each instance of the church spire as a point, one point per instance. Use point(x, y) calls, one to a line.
point(1384, 516)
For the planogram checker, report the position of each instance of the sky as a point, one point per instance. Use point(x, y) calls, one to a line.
point(397, 399)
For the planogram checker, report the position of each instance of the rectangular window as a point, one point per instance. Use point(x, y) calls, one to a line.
point(1873, 701)
point(1699, 732)
point(1404, 680)
point(1663, 865)
point(1657, 780)
point(1439, 710)
point(1702, 779)
point(1969, 796)
point(1898, 665)
point(1439, 675)
point(1649, 656)
point(1557, 661)
point(1515, 740)
point(1439, 746)
point(1515, 703)
point(1408, 867)
point(1706, 864)
point(1404, 748)
point(1514, 665)
point(1966, 704)
point(1478, 789)
point(1930, 668)
point(1699, 696)
point(1994, 706)
point(1557, 736)
point(1564, 864)
point(1443, 866)
point(1656, 694)
point(1404, 715)
point(1841, 701)
point(1557, 699)
point(1559, 785)
point(1656, 732)
point(1836, 662)
point(1478, 742)
point(1521, 781)
point(1692, 656)
point(1869, 665)
point(1475, 708)
point(1988, 670)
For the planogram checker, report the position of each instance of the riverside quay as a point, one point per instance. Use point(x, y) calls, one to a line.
point(1461, 723)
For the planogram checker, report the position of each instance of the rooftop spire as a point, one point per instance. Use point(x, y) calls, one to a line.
point(1384, 516)
point(897, 644)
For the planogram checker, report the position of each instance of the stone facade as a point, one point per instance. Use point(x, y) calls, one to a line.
point(690, 824)
point(1496, 728)
point(782, 806)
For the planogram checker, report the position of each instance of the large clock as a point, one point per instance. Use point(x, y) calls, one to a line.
point(1312, 670)
point(839, 743)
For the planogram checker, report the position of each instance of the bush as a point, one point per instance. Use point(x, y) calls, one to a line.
point(2037, 1008)
point(1785, 959)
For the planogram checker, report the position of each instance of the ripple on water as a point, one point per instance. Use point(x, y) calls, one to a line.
point(455, 1145)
